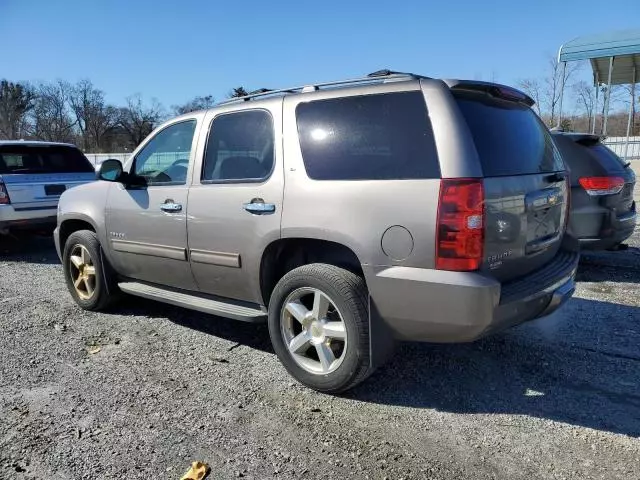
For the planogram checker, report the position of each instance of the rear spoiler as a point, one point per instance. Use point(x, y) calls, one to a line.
point(494, 89)
point(586, 139)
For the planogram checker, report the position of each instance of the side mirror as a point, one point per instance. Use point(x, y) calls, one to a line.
point(110, 170)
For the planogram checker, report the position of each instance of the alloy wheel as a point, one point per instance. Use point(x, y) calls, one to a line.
point(313, 330)
point(82, 271)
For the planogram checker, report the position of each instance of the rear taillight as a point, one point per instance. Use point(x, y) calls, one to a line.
point(602, 185)
point(460, 234)
point(4, 195)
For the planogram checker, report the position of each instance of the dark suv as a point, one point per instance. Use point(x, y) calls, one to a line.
point(344, 214)
point(603, 213)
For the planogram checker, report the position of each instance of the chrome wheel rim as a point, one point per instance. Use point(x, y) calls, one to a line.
point(82, 272)
point(313, 331)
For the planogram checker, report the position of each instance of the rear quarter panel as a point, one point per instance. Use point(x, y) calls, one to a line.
point(356, 213)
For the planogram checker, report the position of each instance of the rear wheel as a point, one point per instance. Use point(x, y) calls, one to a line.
point(319, 327)
point(91, 286)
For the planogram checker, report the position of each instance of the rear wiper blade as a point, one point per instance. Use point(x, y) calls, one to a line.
point(627, 164)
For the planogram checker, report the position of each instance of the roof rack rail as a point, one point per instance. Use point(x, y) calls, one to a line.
point(374, 77)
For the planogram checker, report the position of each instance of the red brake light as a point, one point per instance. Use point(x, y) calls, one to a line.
point(460, 233)
point(602, 185)
point(4, 195)
point(509, 94)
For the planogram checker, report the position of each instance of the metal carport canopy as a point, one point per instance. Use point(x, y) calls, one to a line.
point(623, 45)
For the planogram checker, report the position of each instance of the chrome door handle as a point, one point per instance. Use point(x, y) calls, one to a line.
point(171, 207)
point(258, 207)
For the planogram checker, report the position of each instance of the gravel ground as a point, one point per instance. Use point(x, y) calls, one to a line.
point(143, 391)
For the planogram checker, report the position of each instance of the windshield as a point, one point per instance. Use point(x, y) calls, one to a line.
point(42, 159)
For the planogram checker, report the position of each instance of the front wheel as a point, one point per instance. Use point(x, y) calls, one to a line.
point(319, 327)
point(84, 274)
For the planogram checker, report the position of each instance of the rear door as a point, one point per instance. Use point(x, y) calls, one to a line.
point(35, 175)
point(235, 202)
point(525, 184)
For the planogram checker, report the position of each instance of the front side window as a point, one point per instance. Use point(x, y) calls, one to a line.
point(165, 159)
point(371, 137)
point(239, 147)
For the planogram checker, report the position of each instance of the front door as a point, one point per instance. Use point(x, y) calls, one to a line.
point(147, 226)
point(235, 202)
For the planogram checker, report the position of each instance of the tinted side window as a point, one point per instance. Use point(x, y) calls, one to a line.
point(370, 137)
point(509, 137)
point(239, 147)
point(43, 159)
point(165, 159)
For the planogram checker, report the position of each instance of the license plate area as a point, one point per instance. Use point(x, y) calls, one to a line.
point(544, 219)
point(54, 189)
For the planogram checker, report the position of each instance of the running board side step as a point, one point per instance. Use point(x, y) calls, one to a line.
point(229, 309)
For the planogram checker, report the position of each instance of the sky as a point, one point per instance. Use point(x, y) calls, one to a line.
point(175, 50)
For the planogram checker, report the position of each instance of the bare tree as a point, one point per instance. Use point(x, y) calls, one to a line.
point(553, 84)
point(16, 101)
point(52, 120)
point(586, 99)
point(630, 92)
point(532, 88)
point(196, 103)
point(94, 117)
point(138, 120)
point(546, 91)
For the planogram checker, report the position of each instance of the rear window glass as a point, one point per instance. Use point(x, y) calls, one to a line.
point(42, 159)
point(606, 157)
point(509, 137)
point(370, 137)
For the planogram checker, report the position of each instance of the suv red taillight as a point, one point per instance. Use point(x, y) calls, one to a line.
point(4, 195)
point(602, 185)
point(460, 233)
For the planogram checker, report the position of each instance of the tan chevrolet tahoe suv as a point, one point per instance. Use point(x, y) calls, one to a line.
point(346, 215)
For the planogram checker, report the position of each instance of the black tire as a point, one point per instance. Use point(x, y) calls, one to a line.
point(350, 296)
point(105, 286)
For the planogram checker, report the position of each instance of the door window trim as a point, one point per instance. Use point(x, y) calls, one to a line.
point(238, 180)
point(132, 167)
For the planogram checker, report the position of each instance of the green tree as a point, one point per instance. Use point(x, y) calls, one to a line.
point(16, 101)
point(238, 92)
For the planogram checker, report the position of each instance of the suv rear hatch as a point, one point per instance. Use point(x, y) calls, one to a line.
point(594, 166)
point(525, 183)
point(35, 175)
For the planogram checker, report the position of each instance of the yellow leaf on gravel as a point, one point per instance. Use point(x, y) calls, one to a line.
point(93, 350)
point(198, 471)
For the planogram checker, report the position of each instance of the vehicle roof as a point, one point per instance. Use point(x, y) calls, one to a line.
point(374, 82)
point(379, 77)
point(35, 143)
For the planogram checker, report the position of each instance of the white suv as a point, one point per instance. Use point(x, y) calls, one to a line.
point(33, 175)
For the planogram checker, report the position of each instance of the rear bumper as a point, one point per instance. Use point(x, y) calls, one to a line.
point(599, 228)
point(27, 219)
point(439, 306)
